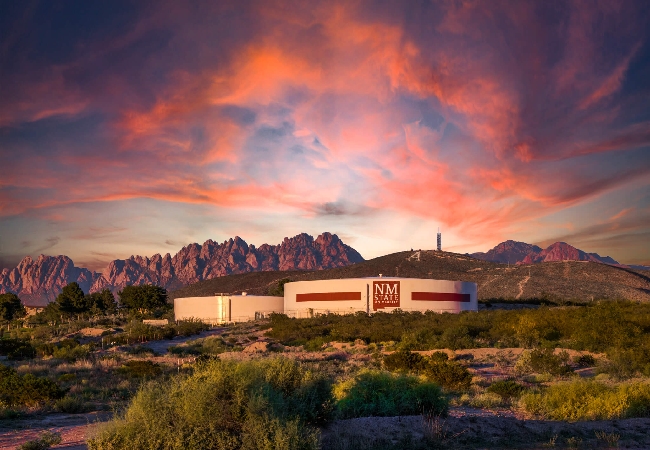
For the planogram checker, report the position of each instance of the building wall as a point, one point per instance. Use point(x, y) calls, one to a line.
point(344, 296)
point(305, 298)
point(227, 308)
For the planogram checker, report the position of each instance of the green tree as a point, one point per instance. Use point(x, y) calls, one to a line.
point(72, 299)
point(101, 303)
point(10, 308)
point(278, 288)
point(143, 298)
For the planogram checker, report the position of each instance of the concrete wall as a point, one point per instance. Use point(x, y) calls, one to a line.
point(305, 298)
point(227, 308)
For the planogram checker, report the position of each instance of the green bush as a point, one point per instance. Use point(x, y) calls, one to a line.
point(439, 356)
point(72, 354)
point(263, 404)
point(589, 400)
point(506, 389)
point(70, 405)
point(141, 369)
point(585, 360)
point(16, 349)
point(375, 393)
point(543, 361)
point(449, 374)
point(405, 361)
point(26, 390)
point(45, 441)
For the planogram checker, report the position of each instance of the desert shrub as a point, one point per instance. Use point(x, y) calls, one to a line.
point(140, 350)
point(543, 361)
point(449, 374)
point(585, 360)
point(16, 349)
point(207, 346)
point(405, 361)
point(484, 400)
point(141, 369)
point(45, 441)
point(439, 356)
point(627, 362)
point(456, 338)
point(263, 404)
point(190, 327)
point(72, 354)
point(375, 393)
point(26, 390)
point(506, 388)
point(70, 405)
point(589, 400)
point(67, 377)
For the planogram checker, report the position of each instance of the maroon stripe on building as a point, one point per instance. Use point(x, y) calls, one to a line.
point(440, 297)
point(328, 296)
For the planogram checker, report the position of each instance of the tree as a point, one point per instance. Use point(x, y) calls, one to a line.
point(10, 308)
point(101, 303)
point(145, 297)
point(72, 299)
point(278, 288)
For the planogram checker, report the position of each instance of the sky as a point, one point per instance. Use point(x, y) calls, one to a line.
point(140, 127)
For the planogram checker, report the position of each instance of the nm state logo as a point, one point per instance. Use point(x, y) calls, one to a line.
point(385, 294)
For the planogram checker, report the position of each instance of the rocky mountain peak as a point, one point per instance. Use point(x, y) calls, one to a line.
point(40, 281)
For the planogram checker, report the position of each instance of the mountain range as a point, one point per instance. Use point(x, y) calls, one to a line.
point(513, 252)
point(39, 281)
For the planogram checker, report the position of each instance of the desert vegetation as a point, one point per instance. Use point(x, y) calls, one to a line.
point(286, 383)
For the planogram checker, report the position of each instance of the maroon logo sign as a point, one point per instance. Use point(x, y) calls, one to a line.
point(385, 294)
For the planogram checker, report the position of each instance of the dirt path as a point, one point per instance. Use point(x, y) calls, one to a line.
point(73, 428)
point(475, 428)
point(522, 283)
point(162, 346)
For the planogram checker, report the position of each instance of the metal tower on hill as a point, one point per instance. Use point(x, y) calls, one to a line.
point(439, 241)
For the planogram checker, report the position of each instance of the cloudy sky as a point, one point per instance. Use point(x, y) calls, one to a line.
point(139, 127)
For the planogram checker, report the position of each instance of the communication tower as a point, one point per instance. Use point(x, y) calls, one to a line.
point(439, 240)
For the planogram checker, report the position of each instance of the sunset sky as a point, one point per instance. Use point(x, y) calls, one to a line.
point(140, 127)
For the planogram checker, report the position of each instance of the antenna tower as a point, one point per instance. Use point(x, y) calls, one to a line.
point(439, 240)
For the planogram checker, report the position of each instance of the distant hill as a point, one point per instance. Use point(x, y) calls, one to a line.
point(568, 280)
point(39, 281)
point(514, 252)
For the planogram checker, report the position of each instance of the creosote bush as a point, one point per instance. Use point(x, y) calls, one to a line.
point(405, 361)
point(589, 400)
point(449, 374)
point(506, 389)
point(26, 390)
point(263, 404)
point(141, 369)
point(376, 393)
point(437, 368)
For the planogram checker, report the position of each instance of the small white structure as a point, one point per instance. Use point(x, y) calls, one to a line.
point(227, 308)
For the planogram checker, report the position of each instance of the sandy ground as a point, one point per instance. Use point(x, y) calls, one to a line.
point(73, 428)
point(494, 430)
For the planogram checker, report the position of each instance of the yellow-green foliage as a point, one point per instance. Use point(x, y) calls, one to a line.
point(377, 393)
point(589, 400)
point(264, 404)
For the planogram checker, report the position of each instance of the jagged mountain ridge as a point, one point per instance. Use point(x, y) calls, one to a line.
point(514, 252)
point(39, 281)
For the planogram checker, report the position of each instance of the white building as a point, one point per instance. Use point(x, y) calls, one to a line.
point(341, 296)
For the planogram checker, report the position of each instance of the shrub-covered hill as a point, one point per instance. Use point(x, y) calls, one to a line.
point(565, 280)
